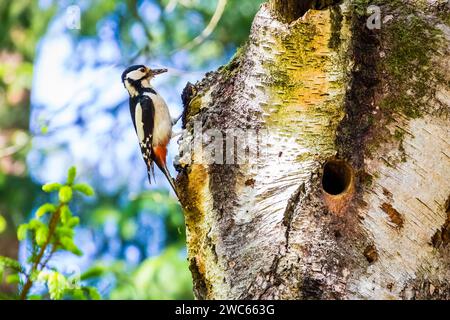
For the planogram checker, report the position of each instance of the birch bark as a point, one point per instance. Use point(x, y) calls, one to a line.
point(343, 191)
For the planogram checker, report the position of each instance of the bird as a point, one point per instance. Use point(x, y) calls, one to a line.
point(151, 118)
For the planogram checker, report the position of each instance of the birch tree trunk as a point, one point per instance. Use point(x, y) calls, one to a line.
point(339, 183)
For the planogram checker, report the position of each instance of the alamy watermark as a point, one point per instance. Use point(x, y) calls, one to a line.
point(374, 21)
point(232, 146)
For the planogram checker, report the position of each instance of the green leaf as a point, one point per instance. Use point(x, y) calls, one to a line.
point(65, 232)
point(74, 221)
point(128, 229)
point(50, 187)
point(65, 194)
point(41, 235)
point(13, 279)
point(69, 245)
point(11, 264)
point(78, 294)
point(34, 224)
point(94, 294)
point(71, 175)
point(43, 276)
point(22, 232)
point(92, 273)
point(85, 189)
point(66, 214)
point(57, 284)
point(47, 207)
point(34, 275)
point(3, 224)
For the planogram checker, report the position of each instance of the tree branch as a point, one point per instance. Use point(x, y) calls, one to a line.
point(52, 227)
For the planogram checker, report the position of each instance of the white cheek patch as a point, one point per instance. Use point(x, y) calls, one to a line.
point(139, 123)
point(136, 75)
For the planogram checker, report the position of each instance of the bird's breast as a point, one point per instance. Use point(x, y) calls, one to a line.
point(162, 128)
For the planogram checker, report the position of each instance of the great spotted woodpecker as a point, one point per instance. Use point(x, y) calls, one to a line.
point(151, 118)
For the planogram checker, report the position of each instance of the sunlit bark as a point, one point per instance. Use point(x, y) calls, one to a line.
point(348, 196)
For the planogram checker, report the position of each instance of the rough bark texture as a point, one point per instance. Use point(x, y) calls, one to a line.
point(348, 194)
point(290, 10)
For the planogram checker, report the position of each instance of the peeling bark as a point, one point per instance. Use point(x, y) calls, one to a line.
point(346, 193)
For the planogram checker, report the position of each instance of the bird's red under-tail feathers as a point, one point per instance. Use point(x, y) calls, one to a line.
point(159, 156)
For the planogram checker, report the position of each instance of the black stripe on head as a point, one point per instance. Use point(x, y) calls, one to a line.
point(151, 90)
point(129, 69)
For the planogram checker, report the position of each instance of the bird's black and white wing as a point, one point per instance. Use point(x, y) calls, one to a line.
point(143, 120)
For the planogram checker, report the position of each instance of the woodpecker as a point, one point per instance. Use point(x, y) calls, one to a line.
point(151, 118)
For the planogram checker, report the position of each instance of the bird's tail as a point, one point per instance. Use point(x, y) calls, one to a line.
point(160, 153)
point(163, 168)
point(170, 179)
point(150, 171)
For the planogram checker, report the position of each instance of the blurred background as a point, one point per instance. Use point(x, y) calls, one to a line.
point(62, 103)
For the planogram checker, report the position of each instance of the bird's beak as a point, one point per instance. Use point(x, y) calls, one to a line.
point(155, 72)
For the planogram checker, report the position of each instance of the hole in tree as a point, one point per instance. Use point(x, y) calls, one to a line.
point(337, 177)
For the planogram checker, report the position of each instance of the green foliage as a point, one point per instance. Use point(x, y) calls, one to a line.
point(14, 203)
point(41, 235)
point(57, 283)
point(51, 231)
point(71, 175)
point(13, 279)
point(158, 278)
point(65, 194)
point(45, 208)
point(85, 293)
point(62, 287)
point(84, 188)
point(66, 214)
point(6, 262)
point(22, 232)
point(22, 24)
point(167, 274)
point(3, 224)
point(51, 187)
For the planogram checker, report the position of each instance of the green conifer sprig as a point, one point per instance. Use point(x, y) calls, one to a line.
point(51, 230)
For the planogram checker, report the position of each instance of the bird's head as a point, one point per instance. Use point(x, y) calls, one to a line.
point(137, 77)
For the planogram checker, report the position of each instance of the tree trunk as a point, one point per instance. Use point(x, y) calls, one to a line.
point(339, 183)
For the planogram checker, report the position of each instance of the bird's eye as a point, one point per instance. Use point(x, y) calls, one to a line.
point(142, 70)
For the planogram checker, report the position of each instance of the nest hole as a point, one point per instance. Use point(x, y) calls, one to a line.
point(337, 177)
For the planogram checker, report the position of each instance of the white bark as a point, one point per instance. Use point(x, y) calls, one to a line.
point(265, 228)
